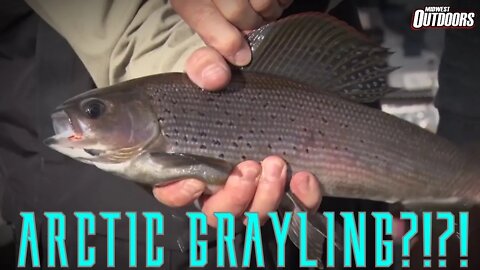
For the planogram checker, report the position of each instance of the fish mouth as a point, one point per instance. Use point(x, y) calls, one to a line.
point(69, 139)
point(62, 145)
point(61, 122)
point(66, 131)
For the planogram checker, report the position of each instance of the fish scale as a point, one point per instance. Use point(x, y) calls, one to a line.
point(354, 150)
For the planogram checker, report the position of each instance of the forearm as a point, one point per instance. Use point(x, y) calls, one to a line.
point(121, 40)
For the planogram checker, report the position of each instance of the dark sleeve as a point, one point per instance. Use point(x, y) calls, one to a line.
point(459, 74)
point(458, 98)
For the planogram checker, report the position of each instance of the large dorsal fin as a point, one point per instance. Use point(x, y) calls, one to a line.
point(323, 52)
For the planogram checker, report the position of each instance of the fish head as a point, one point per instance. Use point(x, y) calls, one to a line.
point(108, 125)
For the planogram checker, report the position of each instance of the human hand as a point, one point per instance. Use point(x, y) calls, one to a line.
point(220, 24)
point(251, 187)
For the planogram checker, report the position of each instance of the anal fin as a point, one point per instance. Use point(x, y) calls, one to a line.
point(451, 204)
point(316, 230)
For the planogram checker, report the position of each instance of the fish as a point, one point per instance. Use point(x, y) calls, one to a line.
point(302, 98)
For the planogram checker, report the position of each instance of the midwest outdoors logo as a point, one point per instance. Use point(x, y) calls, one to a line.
point(441, 17)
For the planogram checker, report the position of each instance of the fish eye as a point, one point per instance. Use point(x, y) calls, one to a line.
point(94, 108)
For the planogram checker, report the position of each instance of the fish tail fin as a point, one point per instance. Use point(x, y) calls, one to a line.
point(316, 229)
point(321, 51)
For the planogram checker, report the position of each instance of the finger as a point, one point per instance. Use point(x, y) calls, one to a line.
point(237, 193)
point(179, 193)
point(208, 69)
point(284, 4)
point(204, 17)
point(307, 188)
point(271, 187)
point(239, 13)
point(270, 10)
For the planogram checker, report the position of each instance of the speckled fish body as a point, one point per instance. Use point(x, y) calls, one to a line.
point(355, 151)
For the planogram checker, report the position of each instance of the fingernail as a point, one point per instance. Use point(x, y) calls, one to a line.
point(243, 57)
point(304, 185)
point(252, 173)
point(274, 171)
point(214, 72)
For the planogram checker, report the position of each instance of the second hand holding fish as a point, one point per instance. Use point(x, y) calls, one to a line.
point(220, 24)
point(251, 187)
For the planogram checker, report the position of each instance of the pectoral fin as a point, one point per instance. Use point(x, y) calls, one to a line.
point(163, 168)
